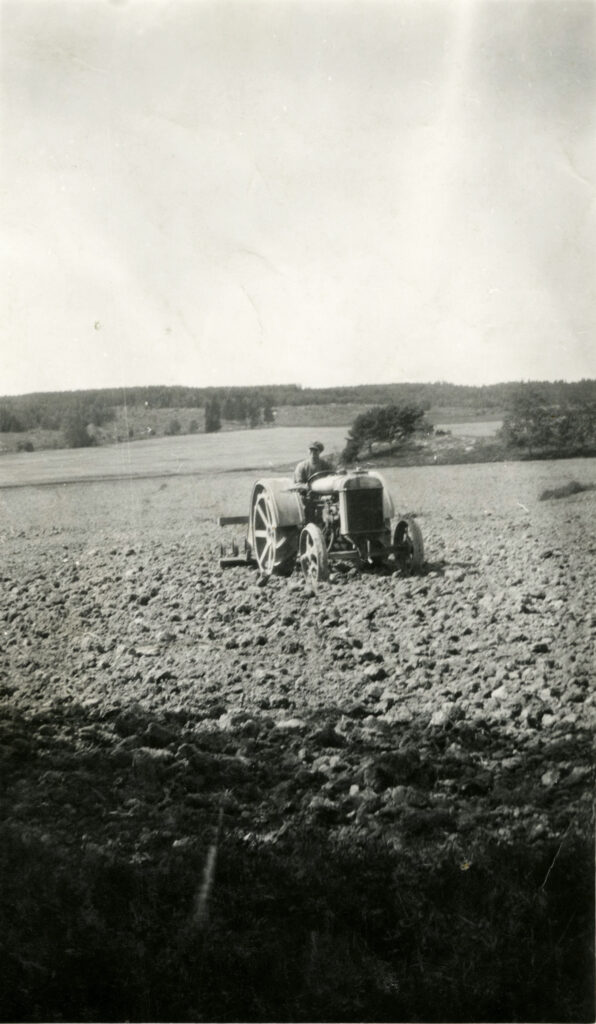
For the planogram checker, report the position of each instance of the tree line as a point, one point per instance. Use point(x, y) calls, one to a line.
point(51, 410)
point(535, 424)
point(251, 410)
point(48, 409)
point(538, 414)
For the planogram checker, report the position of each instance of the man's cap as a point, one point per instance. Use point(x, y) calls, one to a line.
point(316, 446)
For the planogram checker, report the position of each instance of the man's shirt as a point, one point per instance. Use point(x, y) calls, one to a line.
point(304, 470)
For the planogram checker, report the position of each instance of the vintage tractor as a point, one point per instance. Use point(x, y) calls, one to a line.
point(341, 516)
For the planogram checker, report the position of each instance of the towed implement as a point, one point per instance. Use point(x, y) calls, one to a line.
point(347, 516)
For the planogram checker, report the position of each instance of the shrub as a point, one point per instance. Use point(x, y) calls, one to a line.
point(74, 428)
point(537, 424)
point(350, 452)
point(25, 446)
point(386, 424)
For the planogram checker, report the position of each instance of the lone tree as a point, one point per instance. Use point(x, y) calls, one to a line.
point(390, 424)
point(268, 413)
point(254, 412)
point(212, 416)
point(74, 429)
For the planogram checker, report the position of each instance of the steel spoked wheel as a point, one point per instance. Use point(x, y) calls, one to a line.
point(274, 547)
point(409, 546)
point(313, 555)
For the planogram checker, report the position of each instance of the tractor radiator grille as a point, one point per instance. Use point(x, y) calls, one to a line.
point(363, 511)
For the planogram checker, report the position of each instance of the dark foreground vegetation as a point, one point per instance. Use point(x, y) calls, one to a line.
point(303, 930)
point(296, 924)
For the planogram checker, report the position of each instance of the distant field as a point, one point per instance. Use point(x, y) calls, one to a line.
point(459, 414)
point(139, 424)
point(262, 449)
point(333, 415)
point(473, 428)
point(458, 420)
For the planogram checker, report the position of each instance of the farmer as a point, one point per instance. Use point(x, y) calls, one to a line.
point(313, 464)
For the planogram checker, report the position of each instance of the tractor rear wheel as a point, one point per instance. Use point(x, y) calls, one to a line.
point(312, 555)
point(273, 547)
point(407, 540)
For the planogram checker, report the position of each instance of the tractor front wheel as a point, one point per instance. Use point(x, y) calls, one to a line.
point(273, 546)
point(313, 555)
point(408, 546)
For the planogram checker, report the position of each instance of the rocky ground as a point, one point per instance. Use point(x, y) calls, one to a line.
point(149, 699)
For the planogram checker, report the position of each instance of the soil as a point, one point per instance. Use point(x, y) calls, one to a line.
point(453, 702)
point(144, 692)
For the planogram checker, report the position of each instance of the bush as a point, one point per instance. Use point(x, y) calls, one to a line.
point(25, 446)
point(386, 424)
point(193, 427)
point(537, 424)
point(350, 452)
point(74, 428)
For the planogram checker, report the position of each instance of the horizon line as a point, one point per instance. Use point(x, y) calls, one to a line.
point(298, 386)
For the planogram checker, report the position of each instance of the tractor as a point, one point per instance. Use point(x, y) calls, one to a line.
point(343, 516)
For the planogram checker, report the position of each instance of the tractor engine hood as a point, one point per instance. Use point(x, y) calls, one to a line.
point(346, 482)
point(341, 482)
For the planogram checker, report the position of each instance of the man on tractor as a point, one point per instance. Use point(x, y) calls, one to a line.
point(313, 464)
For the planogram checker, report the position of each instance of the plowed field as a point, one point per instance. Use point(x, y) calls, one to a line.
point(227, 801)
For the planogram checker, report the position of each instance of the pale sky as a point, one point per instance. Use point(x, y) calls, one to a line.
point(323, 192)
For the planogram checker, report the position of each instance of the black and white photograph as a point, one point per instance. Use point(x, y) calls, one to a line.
point(297, 511)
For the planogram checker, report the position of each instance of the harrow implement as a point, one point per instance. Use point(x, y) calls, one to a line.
point(231, 556)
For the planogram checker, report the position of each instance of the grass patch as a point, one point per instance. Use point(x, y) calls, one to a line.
point(574, 487)
point(308, 928)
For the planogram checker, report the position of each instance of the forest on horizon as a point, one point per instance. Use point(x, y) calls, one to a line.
point(546, 416)
point(48, 410)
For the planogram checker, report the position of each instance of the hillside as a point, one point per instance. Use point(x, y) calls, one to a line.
point(112, 416)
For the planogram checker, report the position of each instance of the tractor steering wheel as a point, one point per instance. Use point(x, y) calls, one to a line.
point(319, 472)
